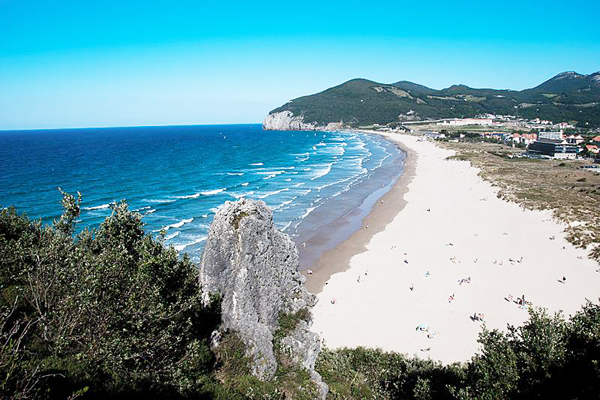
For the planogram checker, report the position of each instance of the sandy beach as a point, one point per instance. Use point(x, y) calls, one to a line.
point(438, 258)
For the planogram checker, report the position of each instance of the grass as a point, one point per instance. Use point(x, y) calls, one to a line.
point(291, 381)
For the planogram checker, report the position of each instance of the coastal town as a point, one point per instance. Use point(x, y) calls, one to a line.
point(541, 139)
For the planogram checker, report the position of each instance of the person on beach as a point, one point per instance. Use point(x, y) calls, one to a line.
point(411, 287)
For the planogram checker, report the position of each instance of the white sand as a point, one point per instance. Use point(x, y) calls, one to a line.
point(382, 312)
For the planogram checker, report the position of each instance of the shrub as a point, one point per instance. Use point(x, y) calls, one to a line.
point(112, 310)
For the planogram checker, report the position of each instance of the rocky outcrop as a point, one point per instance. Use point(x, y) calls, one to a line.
point(287, 121)
point(254, 268)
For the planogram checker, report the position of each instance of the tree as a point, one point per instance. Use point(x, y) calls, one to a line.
point(112, 310)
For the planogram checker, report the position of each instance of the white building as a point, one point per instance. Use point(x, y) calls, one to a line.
point(551, 135)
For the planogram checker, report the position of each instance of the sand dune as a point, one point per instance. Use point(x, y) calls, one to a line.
point(452, 228)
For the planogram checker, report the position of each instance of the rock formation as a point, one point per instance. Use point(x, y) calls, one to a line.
point(286, 121)
point(254, 268)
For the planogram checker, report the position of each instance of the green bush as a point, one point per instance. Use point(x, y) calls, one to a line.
point(111, 311)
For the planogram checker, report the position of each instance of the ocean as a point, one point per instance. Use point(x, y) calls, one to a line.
point(178, 176)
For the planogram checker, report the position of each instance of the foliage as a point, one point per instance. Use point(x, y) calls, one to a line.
point(114, 313)
point(111, 311)
point(547, 357)
point(360, 102)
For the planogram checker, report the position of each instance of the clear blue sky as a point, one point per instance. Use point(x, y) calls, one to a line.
point(77, 63)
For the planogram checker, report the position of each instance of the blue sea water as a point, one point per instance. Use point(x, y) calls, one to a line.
point(177, 177)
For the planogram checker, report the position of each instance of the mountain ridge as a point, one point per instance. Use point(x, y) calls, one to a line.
point(566, 97)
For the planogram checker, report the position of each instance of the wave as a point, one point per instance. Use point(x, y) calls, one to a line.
point(383, 160)
point(141, 209)
point(240, 195)
point(235, 173)
point(308, 211)
point(160, 200)
point(269, 172)
point(178, 224)
point(212, 192)
point(171, 236)
point(257, 164)
point(285, 203)
point(200, 239)
point(285, 226)
point(152, 210)
point(191, 196)
point(262, 196)
point(245, 183)
point(322, 172)
point(305, 192)
point(102, 207)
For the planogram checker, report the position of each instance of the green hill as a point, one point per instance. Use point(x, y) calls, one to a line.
point(567, 97)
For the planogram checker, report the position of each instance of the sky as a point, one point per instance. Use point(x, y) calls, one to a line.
point(73, 63)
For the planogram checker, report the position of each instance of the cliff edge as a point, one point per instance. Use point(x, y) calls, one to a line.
point(287, 121)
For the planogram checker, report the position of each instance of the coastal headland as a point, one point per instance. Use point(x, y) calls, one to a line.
point(439, 257)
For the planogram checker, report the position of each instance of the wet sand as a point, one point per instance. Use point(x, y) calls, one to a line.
point(382, 213)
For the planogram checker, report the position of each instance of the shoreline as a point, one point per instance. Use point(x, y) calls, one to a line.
point(453, 259)
point(381, 214)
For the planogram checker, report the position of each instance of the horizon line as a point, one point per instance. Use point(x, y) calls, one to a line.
point(126, 126)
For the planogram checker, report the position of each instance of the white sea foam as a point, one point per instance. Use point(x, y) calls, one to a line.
point(102, 207)
point(245, 183)
point(152, 210)
point(191, 196)
point(171, 236)
point(325, 169)
point(257, 164)
point(160, 200)
point(142, 208)
point(310, 209)
point(304, 192)
point(212, 192)
point(285, 203)
point(262, 196)
point(285, 226)
point(200, 239)
point(270, 172)
point(383, 159)
point(240, 195)
point(235, 173)
point(178, 224)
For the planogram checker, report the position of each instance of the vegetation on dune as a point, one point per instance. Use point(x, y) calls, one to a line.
point(572, 193)
point(113, 313)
